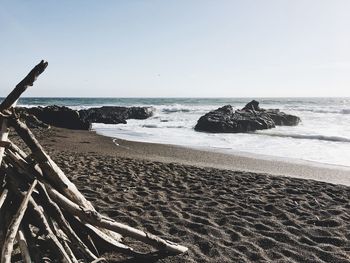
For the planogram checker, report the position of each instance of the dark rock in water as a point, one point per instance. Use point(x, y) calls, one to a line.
point(253, 105)
point(58, 116)
point(226, 120)
point(65, 117)
point(250, 118)
point(115, 115)
point(283, 119)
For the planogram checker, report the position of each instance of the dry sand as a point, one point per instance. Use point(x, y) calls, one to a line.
point(222, 215)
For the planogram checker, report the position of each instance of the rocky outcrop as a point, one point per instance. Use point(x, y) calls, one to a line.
point(115, 115)
point(65, 117)
point(58, 116)
point(248, 119)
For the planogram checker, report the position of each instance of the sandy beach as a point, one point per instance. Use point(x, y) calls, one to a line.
point(224, 208)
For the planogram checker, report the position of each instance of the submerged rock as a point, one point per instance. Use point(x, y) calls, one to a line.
point(248, 119)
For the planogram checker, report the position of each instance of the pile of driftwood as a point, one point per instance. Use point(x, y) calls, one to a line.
point(43, 216)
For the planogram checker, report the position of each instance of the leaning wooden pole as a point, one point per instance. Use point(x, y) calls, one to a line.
point(14, 226)
point(12, 98)
point(23, 85)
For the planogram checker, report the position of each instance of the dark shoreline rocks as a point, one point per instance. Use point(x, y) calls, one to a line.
point(115, 114)
point(64, 117)
point(248, 119)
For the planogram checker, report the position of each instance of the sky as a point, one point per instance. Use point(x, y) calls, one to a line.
point(177, 48)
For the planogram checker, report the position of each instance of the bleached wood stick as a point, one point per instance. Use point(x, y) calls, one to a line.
point(121, 228)
point(51, 170)
point(61, 237)
point(53, 208)
point(29, 235)
point(4, 131)
point(94, 218)
point(3, 197)
point(57, 214)
point(49, 167)
point(23, 85)
point(55, 245)
point(14, 148)
point(14, 225)
point(99, 260)
point(11, 99)
point(37, 215)
point(23, 246)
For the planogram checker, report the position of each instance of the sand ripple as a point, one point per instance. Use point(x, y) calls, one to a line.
point(221, 215)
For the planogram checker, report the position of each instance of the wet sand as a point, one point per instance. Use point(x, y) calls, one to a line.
point(224, 208)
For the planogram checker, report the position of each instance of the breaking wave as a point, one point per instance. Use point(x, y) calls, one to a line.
point(343, 111)
point(308, 137)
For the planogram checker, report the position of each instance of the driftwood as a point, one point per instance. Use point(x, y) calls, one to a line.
point(14, 226)
point(23, 245)
point(54, 221)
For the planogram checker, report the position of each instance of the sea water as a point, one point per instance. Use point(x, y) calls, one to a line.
point(323, 136)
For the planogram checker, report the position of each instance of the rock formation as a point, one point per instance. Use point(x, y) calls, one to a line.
point(64, 117)
point(248, 119)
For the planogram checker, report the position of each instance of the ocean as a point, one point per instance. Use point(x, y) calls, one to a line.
point(323, 136)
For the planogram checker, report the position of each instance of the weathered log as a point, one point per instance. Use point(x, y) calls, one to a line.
point(52, 172)
point(99, 236)
point(57, 214)
point(12, 231)
point(101, 221)
point(94, 218)
point(100, 241)
point(23, 246)
point(64, 241)
point(6, 214)
point(14, 148)
point(49, 167)
point(12, 98)
point(23, 85)
point(37, 215)
point(54, 244)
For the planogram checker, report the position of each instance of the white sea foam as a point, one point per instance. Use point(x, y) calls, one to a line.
point(323, 136)
point(308, 137)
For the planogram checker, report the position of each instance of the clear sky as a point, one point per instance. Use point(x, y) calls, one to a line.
point(177, 48)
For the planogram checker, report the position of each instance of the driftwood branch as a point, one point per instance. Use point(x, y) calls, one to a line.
point(55, 245)
point(49, 168)
point(11, 234)
point(3, 197)
point(23, 85)
point(54, 219)
point(11, 99)
point(57, 214)
point(23, 246)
